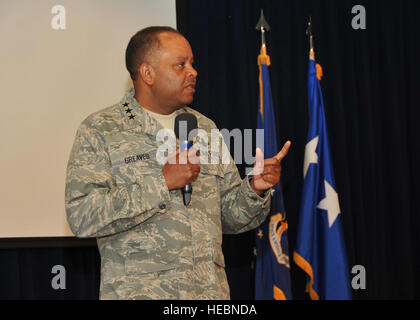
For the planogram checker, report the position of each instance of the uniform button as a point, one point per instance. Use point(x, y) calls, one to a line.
point(162, 206)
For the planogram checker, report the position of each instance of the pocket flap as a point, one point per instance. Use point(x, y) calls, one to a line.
point(212, 169)
point(141, 264)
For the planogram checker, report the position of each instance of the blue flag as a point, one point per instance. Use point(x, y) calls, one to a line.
point(272, 269)
point(320, 248)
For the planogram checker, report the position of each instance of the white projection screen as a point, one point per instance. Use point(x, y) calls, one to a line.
point(56, 69)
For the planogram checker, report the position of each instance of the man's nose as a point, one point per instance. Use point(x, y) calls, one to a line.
point(192, 72)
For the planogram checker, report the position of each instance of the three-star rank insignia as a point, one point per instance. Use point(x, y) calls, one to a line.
point(128, 111)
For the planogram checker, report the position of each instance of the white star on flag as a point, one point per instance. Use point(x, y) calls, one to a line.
point(310, 155)
point(330, 203)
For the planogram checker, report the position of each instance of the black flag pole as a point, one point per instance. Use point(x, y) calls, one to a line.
point(310, 34)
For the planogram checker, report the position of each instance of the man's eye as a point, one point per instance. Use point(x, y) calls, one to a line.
point(182, 64)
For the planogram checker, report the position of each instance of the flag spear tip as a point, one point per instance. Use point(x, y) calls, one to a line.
point(262, 23)
point(262, 26)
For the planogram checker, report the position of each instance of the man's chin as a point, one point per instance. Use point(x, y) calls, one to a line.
point(188, 102)
point(181, 103)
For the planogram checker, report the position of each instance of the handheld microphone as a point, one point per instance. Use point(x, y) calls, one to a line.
point(185, 125)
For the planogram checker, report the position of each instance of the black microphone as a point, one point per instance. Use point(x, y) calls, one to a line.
point(185, 125)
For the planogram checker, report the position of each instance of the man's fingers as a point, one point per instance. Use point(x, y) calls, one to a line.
point(193, 156)
point(271, 170)
point(172, 158)
point(283, 152)
point(270, 178)
point(271, 162)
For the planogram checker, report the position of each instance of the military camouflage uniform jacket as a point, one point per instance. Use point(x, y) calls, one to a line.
point(151, 245)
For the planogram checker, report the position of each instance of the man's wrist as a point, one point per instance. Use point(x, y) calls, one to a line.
point(259, 192)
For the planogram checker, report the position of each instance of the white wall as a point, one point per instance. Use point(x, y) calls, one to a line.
point(50, 80)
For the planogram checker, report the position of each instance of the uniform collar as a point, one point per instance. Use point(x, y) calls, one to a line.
point(134, 116)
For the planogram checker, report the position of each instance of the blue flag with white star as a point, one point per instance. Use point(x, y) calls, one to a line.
point(320, 248)
point(272, 269)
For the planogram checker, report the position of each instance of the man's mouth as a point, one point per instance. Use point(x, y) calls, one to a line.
point(191, 87)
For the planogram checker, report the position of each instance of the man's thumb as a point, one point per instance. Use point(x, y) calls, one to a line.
point(259, 162)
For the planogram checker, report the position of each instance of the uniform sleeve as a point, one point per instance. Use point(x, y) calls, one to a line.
point(242, 208)
point(95, 205)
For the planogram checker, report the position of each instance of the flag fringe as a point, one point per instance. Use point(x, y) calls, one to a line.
point(306, 266)
point(319, 72)
point(278, 294)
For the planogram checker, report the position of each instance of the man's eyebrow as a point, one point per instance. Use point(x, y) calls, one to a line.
point(184, 58)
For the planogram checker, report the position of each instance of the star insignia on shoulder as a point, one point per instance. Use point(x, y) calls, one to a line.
point(125, 104)
point(132, 116)
point(128, 110)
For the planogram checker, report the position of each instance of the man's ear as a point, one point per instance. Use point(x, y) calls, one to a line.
point(147, 73)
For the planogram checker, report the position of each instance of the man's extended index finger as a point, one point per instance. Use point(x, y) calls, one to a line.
point(283, 152)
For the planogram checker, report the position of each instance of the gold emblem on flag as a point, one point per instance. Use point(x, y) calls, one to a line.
point(277, 227)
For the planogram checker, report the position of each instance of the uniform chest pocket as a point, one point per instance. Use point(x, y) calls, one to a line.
point(127, 167)
point(209, 178)
point(131, 156)
point(206, 193)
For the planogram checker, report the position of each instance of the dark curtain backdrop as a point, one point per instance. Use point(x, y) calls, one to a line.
point(26, 269)
point(370, 91)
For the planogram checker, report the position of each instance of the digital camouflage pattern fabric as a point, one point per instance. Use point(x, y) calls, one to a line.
point(151, 245)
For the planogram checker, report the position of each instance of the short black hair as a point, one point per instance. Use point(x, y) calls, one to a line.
point(141, 44)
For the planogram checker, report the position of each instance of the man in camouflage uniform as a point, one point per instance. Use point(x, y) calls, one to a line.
point(152, 246)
